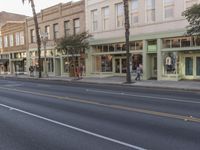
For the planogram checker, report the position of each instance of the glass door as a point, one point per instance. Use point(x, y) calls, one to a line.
point(124, 65)
point(188, 66)
point(198, 66)
point(117, 65)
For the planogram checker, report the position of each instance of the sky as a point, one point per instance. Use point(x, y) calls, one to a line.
point(16, 6)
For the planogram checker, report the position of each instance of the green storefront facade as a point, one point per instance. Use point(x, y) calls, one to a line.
point(165, 55)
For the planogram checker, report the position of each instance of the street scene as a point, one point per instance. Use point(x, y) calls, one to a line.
point(100, 75)
point(47, 116)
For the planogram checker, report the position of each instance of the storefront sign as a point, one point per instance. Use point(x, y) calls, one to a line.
point(152, 48)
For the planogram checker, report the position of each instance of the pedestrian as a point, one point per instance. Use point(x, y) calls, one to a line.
point(138, 73)
point(31, 69)
point(81, 71)
point(77, 72)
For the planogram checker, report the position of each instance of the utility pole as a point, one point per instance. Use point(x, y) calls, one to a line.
point(127, 33)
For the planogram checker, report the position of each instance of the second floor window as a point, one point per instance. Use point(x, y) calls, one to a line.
point(168, 9)
point(134, 11)
point(17, 38)
point(6, 41)
point(150, 11)
point(190, 3)
point(105, 18)
point(119, 15)
point(67, 28)
point(11, 40)
point(76, 26)
point(94, 19)
point(47, 31)
point(0, 41)
point(21, 34)
point(55, 31)
point(33, 38)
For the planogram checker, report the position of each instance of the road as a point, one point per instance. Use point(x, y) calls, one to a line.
point(37, 115)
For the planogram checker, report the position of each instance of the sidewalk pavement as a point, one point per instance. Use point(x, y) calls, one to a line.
point(121, 80)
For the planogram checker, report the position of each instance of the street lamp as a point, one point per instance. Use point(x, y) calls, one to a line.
point(44, 38)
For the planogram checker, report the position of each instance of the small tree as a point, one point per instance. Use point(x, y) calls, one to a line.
point(37, 34)
point(192, 15)
point(73, 45)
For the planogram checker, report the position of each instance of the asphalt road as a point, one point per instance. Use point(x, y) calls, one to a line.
point(80, 116)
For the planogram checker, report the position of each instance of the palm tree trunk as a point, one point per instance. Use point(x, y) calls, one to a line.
point(127, 33)
point(37, 36)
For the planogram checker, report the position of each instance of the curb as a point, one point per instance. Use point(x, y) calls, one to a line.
point(64, 82)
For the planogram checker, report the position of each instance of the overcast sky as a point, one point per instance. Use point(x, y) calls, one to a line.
point(16, 6)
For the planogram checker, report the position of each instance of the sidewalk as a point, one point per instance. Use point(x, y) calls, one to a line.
point(119, 80)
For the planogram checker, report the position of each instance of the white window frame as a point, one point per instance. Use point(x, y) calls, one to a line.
point(1, 42)
point(6, 41)
point(147, 9)
point(11, 40)
point(94, 20)
point(105, 18)
point(185, 3)
point(22, 39)
point(134, 12)
point(168, 5)
point(77, 27)
point(119, 16)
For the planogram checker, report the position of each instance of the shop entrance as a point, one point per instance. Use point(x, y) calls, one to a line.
point(120, 65)
point(154, 67)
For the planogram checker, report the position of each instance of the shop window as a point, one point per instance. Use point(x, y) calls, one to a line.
point(106, 63)
point(111, 48)
point(105, 48)
point(170, 62)
point(188, 66)
point(50, 64)
point(198, 66)
point(176, 43)
point(185, 42)
point(118, 47)
point(66, 65)
point(136, 45)
point(136, 61)
point(97, 49)
point(167, 43)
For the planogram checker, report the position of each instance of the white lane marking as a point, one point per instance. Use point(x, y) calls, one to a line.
point(143, 96)
point(74, 128)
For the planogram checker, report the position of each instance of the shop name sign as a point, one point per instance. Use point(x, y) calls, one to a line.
point(152, 48)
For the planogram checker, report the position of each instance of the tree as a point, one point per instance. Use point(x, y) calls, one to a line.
point(73, 45)
point(127, 33)
point(37, 34)
point(192, 15)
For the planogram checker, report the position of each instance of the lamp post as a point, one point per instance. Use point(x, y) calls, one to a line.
point(44, 38)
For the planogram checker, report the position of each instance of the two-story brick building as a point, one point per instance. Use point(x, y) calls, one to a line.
point(56, 22)
point(12, 43)
point(157, 40)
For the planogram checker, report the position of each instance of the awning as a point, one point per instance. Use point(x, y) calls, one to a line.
point(3, 61)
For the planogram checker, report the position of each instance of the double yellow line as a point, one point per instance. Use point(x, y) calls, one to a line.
point(119, 107)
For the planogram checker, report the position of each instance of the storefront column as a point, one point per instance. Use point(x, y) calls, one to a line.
point(28, 62)
point(61, 65)
point(159, 59)
point(10, 64)
point(88, 61)
point(145, 72)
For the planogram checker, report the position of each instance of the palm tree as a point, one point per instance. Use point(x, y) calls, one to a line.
point(127, 33)
point(37, 34)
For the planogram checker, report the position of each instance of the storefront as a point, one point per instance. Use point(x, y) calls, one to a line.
point(111, 59)
point(18, 63)
point(4, 64)
point(181, 58)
